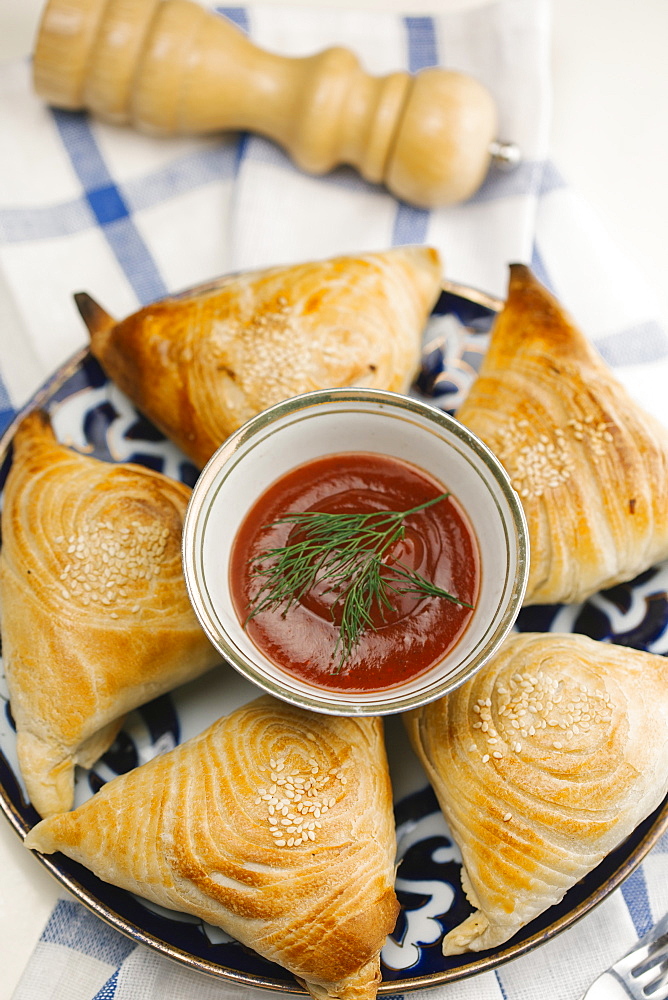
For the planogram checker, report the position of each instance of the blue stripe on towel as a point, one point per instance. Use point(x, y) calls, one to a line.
point(7, 413)
point(5, 401)
point(109, 206)
point(634, 891)
point(551, 179)
point(422, 43)
point(22, 225)
point(635, 345)
point(237, 15)
point(539, 270)
point(187, 173)
point(72, 926)
point(501, 986)
point(411, 223)
point(108, 991)
point(242, 146)
point(533, 177)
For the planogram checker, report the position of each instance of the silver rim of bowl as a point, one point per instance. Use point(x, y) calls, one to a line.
point(387, 702)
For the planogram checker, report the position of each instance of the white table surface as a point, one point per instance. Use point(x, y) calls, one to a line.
point(610, 141)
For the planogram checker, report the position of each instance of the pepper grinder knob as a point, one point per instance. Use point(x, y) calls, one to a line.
point(170, 67)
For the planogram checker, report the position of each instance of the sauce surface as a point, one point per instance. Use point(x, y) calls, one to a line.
point(407, 639)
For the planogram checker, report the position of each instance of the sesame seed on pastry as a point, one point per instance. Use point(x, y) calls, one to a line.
point(94, 611)
point(275, 824)
point(201, 364)
point(543, 764)
point(589, 465)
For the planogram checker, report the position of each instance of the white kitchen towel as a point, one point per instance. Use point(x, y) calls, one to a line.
point(127, 217)
point(81, 958)
point(91, 207)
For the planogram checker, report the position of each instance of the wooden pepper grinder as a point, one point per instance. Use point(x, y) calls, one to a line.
point(171, 67)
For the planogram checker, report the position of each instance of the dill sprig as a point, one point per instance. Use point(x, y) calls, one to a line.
point(345, 551)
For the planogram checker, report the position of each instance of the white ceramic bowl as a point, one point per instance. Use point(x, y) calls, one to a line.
point(355, 420)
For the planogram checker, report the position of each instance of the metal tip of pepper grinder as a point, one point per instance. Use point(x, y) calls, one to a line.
point(505, 155)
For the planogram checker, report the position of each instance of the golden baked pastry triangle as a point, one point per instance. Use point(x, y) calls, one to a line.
point(543, 763)
point(94, 612)
point(201, 364)
point(590, 466)
point(275, 824)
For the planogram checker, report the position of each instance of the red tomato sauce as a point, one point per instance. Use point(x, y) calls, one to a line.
point(408, 639)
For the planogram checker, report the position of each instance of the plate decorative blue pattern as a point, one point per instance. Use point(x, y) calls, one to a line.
point(90, 413)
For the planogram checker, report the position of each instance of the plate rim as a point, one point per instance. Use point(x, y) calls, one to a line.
point(484, 962)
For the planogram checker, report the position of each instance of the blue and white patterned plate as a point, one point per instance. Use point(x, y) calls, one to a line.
point(90, 413)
